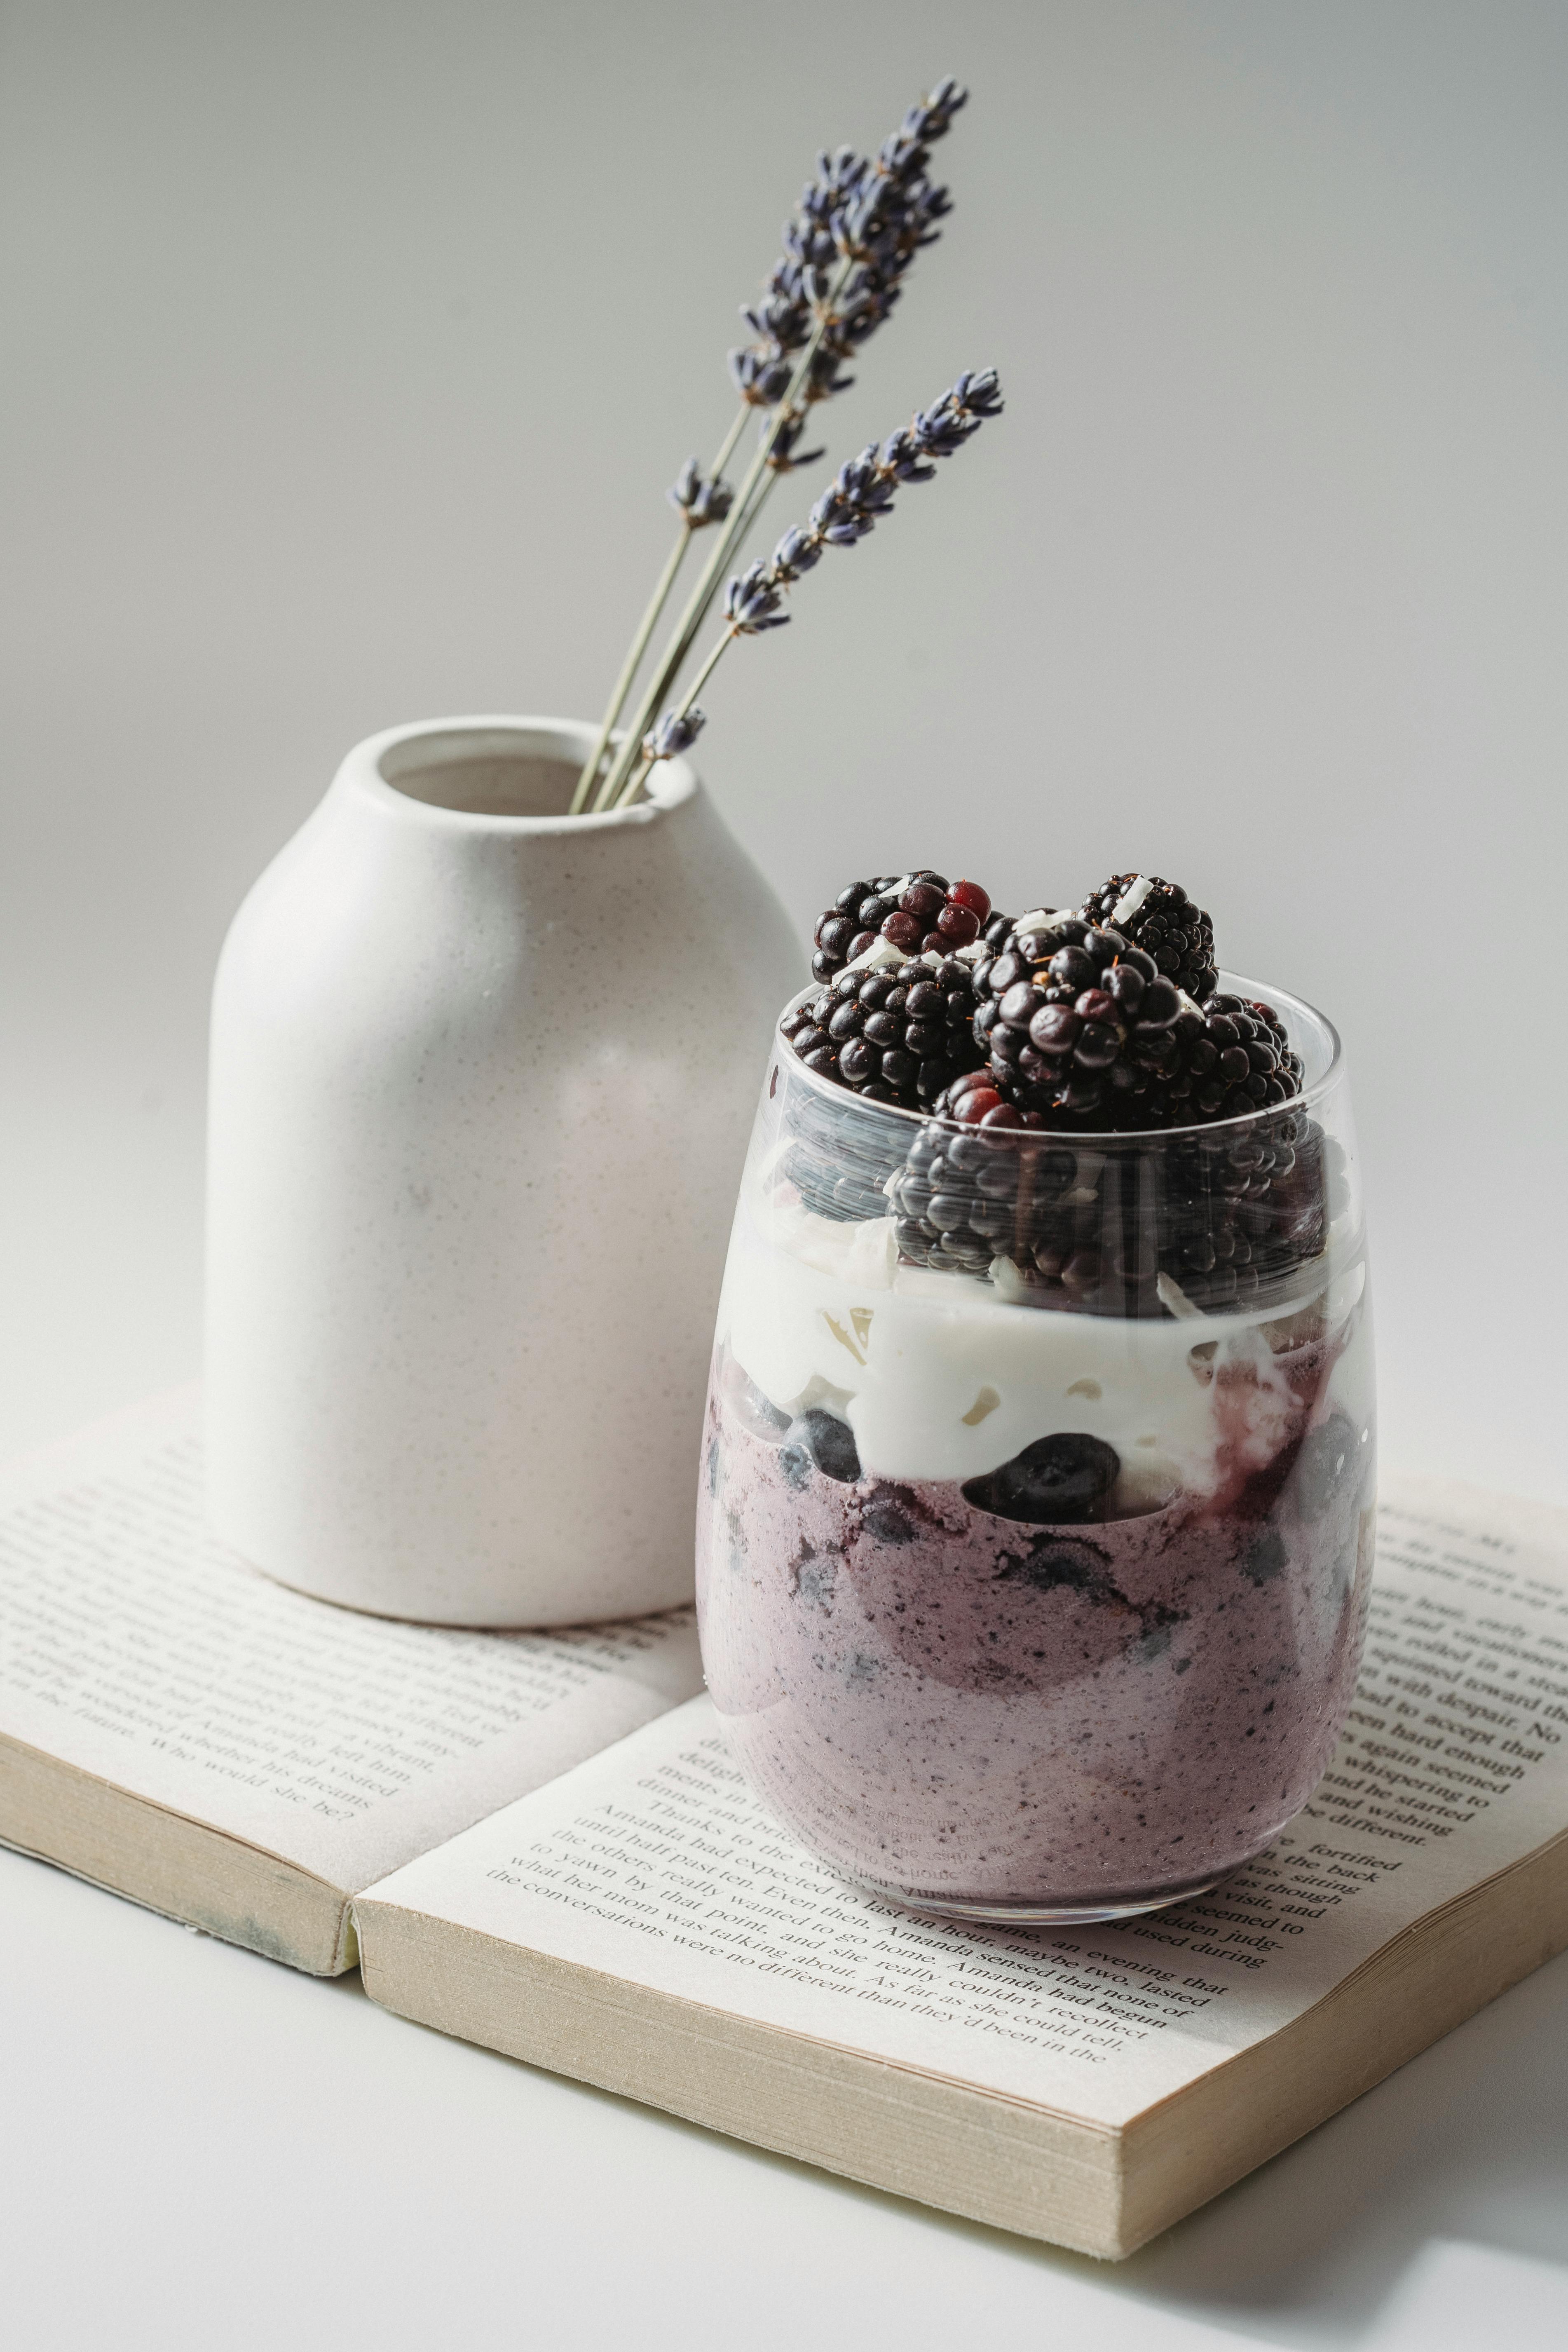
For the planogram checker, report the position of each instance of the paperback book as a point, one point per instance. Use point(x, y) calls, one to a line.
point(540, 1844)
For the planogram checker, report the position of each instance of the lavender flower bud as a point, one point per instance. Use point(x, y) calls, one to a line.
point(932, 117)
point(752, 601)
point(699, 499)
point(812, 247)
point(861, 485)
point(797, 552)
point(866, 301)
point(781, 320)
point(675, 733)
point(903, 457)
point(979, 394)
point(825, 378)
point(761, 376)
point(784, 456)
point(836, 523)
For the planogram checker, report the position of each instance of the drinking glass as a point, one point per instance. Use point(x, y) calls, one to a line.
point(1035, 1506)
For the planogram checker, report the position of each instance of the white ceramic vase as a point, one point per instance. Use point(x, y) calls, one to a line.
point(482, 1077)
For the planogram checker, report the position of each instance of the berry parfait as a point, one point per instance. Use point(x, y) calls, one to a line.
point(1035, 1508)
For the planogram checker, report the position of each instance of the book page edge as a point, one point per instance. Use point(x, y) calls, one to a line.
point(1416, 1987)
point(132, 1845)
point(1007, 2162)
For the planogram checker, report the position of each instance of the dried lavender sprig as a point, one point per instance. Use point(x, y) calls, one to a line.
point(875, 217)
point(782, 455)
point(887, 208)
point(861, 494)
point(612, 792)
point(783, 321)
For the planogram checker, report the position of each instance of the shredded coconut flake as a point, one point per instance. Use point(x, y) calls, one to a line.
point(880, 951)
point(1131, 898)
point(1175, 1299)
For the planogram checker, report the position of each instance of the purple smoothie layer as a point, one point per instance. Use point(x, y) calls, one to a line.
point(947, 1704)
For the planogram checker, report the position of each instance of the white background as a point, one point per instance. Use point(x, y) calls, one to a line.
point(347, 350)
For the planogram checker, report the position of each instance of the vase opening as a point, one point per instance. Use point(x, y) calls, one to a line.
point(506, 771)
point(481, 774)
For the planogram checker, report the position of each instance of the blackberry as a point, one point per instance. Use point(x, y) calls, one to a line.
point(1066, 1014)
point(899, 1033)
point(955, 1201)
point(1238, 1216)
point(1223, 1216)
point(1223, 1060)
point(1161, 919)
point(964, 1201)
point(841, 1151)
point(916, 913)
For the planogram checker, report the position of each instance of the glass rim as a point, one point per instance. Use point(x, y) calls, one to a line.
point(1229, 983)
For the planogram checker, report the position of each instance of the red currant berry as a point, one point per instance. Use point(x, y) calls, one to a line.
point(971, 1108)
point(957, 924)
point(1003, 1115)
point(971, 896)
point(903, 930)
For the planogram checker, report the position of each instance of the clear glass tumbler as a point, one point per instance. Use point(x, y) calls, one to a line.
point(1035, 1510)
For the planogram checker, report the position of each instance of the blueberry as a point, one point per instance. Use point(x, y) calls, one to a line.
point(830, 1444)
point(795, 1464)
point(1050, 1565)
point(889, 1521)
point(1059, 1481)
point(1266, 1556)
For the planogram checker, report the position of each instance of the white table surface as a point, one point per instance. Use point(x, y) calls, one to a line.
point(199, 2145)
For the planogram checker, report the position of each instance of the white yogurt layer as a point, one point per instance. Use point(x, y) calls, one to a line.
point(941, 1378)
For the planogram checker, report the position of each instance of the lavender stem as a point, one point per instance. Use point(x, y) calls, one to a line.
point(702, 595)
point(864, 492)
point(635, 783)
point(728, 450)
point(629, 668)
point(649, 623)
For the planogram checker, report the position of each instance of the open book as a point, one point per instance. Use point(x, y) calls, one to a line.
point(626, 1913)
point(181, 1729)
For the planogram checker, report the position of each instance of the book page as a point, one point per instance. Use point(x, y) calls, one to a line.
point(655, 1863)
point(134, 1645)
